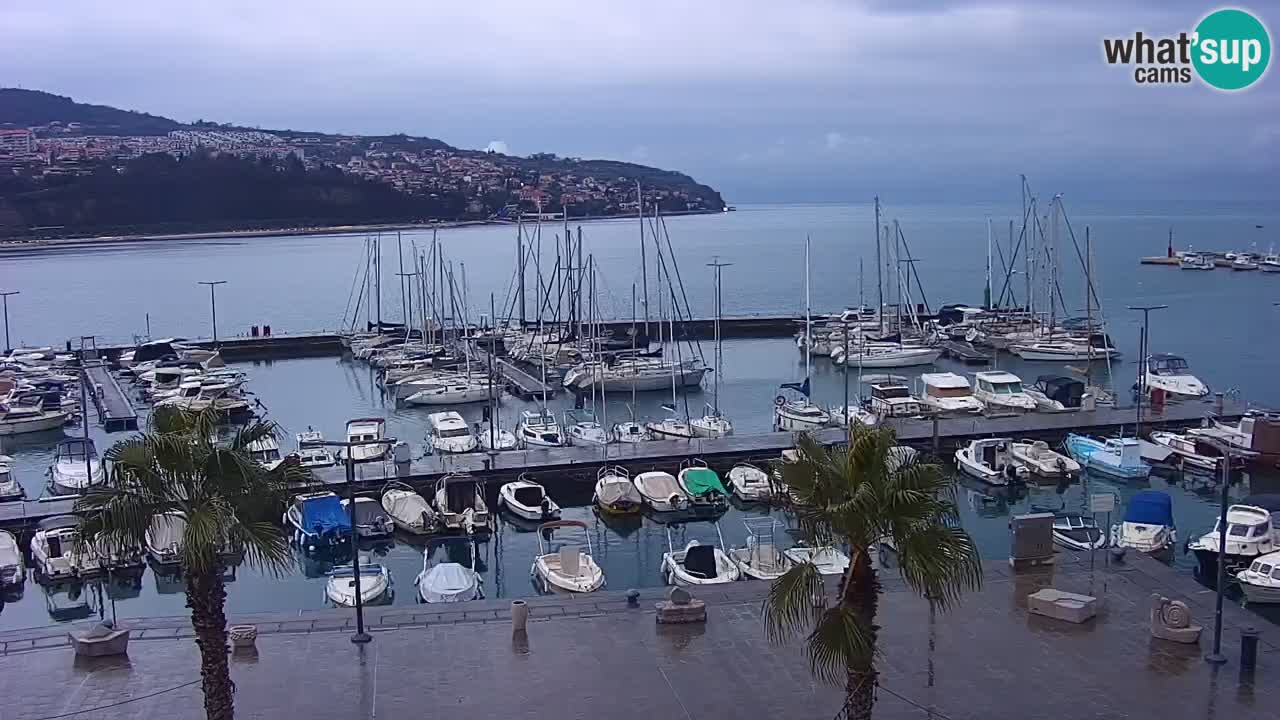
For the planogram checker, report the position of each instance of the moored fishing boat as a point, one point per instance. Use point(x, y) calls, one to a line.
point(567, 568)
point(1117, 457)
point(615, 494)
point(1147, 525)
point(374, 586)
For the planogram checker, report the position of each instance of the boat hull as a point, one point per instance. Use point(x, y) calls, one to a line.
point(48, 421)
point(1260, 594)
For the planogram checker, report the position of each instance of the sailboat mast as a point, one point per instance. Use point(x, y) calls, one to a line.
point(633, 349)
point(644, 263)
point(988, 297)
point(493, 406)
point(808, 339)
point(377, 276)
point(404, 305)
point(520, 263)
point(879, 272)
point(1088, 307)
point(719, 308)
point(368, 286)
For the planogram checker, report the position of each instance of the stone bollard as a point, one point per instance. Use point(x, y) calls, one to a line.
point(519, 616)
point(680, 607)
point(1248, 648)
point(633, 598)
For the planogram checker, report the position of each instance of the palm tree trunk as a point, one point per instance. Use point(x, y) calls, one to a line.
point(206, 595)
point(861, 592)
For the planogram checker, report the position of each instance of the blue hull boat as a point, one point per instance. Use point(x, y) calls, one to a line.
point(1117, 457)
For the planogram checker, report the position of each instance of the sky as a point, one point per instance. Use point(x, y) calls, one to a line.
point(921, 101)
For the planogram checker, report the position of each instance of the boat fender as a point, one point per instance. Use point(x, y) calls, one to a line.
point(1010, 472)
point(779, 401)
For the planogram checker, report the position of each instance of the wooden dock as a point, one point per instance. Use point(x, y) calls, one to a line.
point(517, 381)
point(115, 410)
point(575, 467)
point(964, 352)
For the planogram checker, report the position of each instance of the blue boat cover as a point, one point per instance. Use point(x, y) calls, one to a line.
point(323, 515)
point(1150, 507)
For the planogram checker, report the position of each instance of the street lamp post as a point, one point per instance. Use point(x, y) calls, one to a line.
point(213, 303)
point(7, 346)
point(360, 637)
point(1143, 344)
point(1216, 657)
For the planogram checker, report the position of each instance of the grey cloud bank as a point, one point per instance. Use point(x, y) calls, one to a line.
point(926, 102)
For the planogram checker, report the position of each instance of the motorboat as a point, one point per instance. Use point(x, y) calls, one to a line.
point(587, 432)
point(567, 568)
point(164, 538)
point(711, 425)
point(1171, 375)
point(1188, 451)
point(829, 559)
point(367, 430)
point(661, 492)
point(1117, 457)
point(448, 433)
point(760, 558)
point(319, 521)
point(56, 551)
point(76, 467)
point(1253, 530)
point(497, 439)
point(539, 429)
point(374, 585)
point(266, 452)
point(1077, 532)
point(749, 483)
point(990, 461)
point(948, 393)
point(615, 494)
point(460, 505)
point(1237, 435)
point(12, 569)
point(196, 397)
point(698, 564)
point(1260, 582)
point(408, 510)
point(1002, 391)
point(1270, 263)
point(10, 489)
point(311, 455)
point(20, 419)
point(702, 486)
point(1147, 525)
point(448, 582)
point(1244, 261)
point(799, 415)
point(1056, 393)
point(1037, 457)
point(371, 519)
point(892, 400)
point(846, 416)
point(631, 432)
point(1196, 261)
point(671, 427)
point(527, 499)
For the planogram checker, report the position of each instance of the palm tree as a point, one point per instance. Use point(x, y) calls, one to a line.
point(229, 501)
point(857, 495)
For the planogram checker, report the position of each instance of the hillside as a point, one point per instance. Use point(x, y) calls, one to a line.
point(33, 108)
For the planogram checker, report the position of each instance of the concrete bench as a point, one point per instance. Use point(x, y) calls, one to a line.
point(100, 641)
point(1062, 605)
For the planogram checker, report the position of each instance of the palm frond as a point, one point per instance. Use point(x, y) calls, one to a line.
point(939, 562)
point(840, 640)
point(794, 602)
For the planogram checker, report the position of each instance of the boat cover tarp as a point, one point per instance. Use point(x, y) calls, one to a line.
point(369, 513)
point(700, 561)
point(460, 495)
point(448, 582)
point(529, 496)
point(613, 493)
point(1150, 507)
point(700, 481)
point(325, 514)
point(1065, 390)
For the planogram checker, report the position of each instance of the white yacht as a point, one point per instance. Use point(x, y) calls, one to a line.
point(76, 467)
point(1244, 261)
point(1261, 580)
point(448, 433)
point(949, 393)
point(711, 425)
point(1037, 457)
point(1253, 530)
point(1188, 451)
point(586, 432)
point(990, 461)
point(497, 439)
point(1195, 261)
point(634, 375)
point(265, 452)
point(16, 419)
point(313, 456)
point(891, 400)
point(527, 499)
point(367, 430)
point(671, 427)
point(56, 551)
point(539, 429)
point(846, 417)
point(454, 393)
point(1147, 525)
point(1171, 374)
point(894, 356)
point(10, 489)
point(1061, 350)
point(1002, 391)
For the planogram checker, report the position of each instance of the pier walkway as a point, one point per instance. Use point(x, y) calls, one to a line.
point(517, 381)
point(592, 656)
point(115, 411)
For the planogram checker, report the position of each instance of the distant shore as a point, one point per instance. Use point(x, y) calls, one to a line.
point(27, 246)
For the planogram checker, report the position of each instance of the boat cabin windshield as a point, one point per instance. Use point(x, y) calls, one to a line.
point(948, 392)
point(1004, 388)
point(891, 391)
point(1239, 530)
point(453, 433)
point(1169, 366)
point(269, 455)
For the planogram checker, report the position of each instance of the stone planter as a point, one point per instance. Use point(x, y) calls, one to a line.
point(243, 636)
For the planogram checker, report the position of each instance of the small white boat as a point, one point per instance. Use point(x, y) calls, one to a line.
point(539, 429)
point(1062, 350)
point(1195, 261)
point(799, 415)
point(749, 483)
point(455, 393)
point(499, 439)
point(313, 456)
point(408, 510)
point(671, 428)
point(375, 584)
point(1270, 263)
point(615, 493)
point(460, 505)
point(1187, 450)
point(527, 499)
point(22, 419)
point(698, 564)
point(319, 521)
point(588, 432)
point(1253, 530)
point(265, 452)
point(949, 393)
point(1002, 391)
point(989, 460)
point(1261, 580)
point(702, 486)
point(367, 430)
point(631, 432)
point(1117, 457)
point(1244, 261)
point(55, 551)
point(760, 558)
point(1076, 532)
point(1171, 375)
point(846, 417)
point(711, 425)
point(1147, 525)
point(448, 433)
point(1039, 459)
point(566, 569)
point(661, 492)
point(164, 538)
point(10, 489)
point(12, 569)
point(372, 520)
point(448, 582)
point(892, 400)
point(76, 467)
point(829, 559)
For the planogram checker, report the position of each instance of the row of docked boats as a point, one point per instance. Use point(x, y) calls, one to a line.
point(1240, 261)
point(40, 391)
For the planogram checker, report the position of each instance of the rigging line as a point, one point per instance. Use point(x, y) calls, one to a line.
point(351, 292)
point(911, 265)
point(118, 703)
point(1091, 289)
point(680, 281)
point(1022, 234)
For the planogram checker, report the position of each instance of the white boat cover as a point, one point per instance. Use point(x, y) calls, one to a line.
point(447, 582)
point(618, 489)
point(409, 508)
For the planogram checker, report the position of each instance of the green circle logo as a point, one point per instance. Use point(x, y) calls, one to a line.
point(1232, 49)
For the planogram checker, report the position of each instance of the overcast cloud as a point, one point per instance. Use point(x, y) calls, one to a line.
point(805, 100)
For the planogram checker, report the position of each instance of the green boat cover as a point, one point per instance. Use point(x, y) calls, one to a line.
point(700, 481)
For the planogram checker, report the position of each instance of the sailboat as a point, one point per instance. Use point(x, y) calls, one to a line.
point(493, 437)
point(713, 424)
point(632, 431)
point(800, 414)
